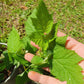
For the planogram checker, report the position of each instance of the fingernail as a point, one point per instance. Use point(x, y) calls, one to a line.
point(29, 57)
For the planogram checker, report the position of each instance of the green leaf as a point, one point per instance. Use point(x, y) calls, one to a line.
point(27, 45)
point(2, 66)
point(22, 60)
point(6, 60)
point(37, 60)
point(22, 78)
point(42, 60)
point(14, 44)
point(19, 58)
point(52, 37)
point(65, 67)
point(39, 70)
point(61, 40)
point(39, 23)
point(5, 63)
point(39, 20)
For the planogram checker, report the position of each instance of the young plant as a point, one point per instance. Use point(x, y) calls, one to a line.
point(39, 27)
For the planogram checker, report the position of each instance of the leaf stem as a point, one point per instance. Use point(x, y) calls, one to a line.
point(3, 44)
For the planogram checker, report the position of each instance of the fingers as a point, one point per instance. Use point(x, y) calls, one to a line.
point(33, 44)
point(29, 57)
point(70, 43)
point(78, 47)
point(46, 68)
point(43, 79)
point(82, 66)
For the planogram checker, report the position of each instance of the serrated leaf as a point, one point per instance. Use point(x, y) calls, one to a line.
point(14, 41)
point(39, 23)
point(19, 58)
point(37, 60)
point(61, 40)
point(65, 67)
point(22, 78)
point(42, 60)
point(22, 60)
point(52, 35)
point(27, 45)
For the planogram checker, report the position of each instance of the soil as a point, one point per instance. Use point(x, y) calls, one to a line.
point(7, 73)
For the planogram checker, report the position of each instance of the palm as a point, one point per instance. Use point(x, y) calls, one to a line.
point(70, 44)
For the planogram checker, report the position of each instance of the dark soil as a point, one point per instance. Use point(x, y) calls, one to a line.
point(7, 73)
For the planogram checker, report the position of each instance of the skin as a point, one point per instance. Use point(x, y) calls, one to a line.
point(71, 44)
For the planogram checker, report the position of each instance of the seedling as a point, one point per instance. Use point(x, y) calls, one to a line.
point(39, 27)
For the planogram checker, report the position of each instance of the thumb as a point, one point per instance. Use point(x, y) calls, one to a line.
point(43, 79)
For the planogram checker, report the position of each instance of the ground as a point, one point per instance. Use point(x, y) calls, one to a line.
point(70, 14)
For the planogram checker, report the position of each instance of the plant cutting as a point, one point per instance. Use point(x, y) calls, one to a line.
point(40, 29)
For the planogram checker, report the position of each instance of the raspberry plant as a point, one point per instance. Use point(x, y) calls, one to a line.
point(39, 27)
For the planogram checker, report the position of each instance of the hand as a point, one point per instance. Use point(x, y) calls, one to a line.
point(71, 44)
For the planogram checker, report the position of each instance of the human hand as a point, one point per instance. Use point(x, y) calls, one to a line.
point(71, 44)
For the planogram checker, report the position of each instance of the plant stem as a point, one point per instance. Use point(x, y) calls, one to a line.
point(3, 43)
